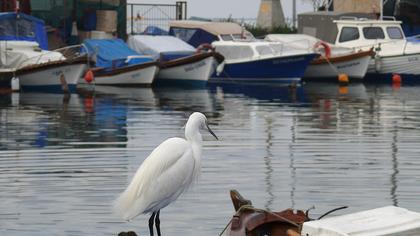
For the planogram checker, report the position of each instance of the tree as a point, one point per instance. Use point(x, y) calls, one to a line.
point(317, 4)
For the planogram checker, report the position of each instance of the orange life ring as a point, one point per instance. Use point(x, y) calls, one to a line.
point(205, 47)
point(326, 47)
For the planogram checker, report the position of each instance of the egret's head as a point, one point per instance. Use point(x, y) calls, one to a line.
point(200, 121)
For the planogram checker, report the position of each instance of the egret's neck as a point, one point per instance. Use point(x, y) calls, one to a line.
point(192, 134)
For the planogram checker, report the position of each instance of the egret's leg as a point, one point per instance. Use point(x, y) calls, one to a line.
point(157, 223)
point(151, 219)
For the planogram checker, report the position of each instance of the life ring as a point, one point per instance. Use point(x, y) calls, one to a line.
point(326, 47)
point(205, 47)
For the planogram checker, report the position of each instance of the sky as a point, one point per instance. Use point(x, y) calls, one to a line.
point(236, 8)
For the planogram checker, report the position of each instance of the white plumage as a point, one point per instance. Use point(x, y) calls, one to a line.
point(165, 174)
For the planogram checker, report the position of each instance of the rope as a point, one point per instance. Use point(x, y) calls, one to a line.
point(332, 66)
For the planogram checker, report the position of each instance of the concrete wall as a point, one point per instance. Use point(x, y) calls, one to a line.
point(363, 6)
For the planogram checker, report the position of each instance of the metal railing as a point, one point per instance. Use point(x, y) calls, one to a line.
point(140, 16)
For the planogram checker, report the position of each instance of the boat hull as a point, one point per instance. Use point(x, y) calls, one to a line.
point(408, 64)
point(49, 79)
point(196, 72)
point(139, 75)
point(277, 69)
point(355, 66)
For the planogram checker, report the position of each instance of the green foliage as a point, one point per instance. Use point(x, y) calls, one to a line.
point(261, 32)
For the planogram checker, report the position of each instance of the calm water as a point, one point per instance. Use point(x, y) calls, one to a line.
point(63, 160)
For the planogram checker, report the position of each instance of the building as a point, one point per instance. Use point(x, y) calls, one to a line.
point(70, 21)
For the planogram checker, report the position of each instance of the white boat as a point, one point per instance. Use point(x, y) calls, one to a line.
point(117, 64)
point(394, 53)
point(37, 69)
point(246, 59)
point(384, 221)
point(333, 60)
point(180, 63)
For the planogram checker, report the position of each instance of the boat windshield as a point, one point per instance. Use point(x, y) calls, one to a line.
point(349, 34)
point(235, 52)
point(373, 33)
point(226, 37)
point(264, 50)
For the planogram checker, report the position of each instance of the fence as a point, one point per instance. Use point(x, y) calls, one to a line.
point(142, 15)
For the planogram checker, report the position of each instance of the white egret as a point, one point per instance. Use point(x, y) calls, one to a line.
point(166, 173)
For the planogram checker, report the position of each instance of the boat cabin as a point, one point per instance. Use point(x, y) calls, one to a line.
point(199, 32)
point(362, 31)
point(237, 50)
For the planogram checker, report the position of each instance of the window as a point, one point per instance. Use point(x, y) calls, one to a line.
point(226, 37)
point(235, 52)
point(373, 33)
point(394, 33)
point(349, 34)
point(264, 50)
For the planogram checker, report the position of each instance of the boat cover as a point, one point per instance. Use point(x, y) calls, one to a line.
point(385, 221)
point(154, 30)
point(113, 53)
point(22, 27)
point(160, 47)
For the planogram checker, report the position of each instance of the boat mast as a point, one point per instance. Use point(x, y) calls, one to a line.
point(294, 14)
point(381, 9)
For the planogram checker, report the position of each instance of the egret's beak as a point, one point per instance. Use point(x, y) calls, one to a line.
point(211, 131)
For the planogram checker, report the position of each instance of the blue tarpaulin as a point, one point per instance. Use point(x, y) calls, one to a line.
point(154, 30)
point(113, 53)
point(19, 26)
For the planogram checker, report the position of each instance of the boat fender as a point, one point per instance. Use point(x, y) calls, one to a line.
point(396, 79)
point(89, 76)
point(326, 47)
point(205, 47)
point(15, 84)
point(220, 68)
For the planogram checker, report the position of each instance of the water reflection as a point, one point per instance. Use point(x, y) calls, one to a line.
point(64, 159)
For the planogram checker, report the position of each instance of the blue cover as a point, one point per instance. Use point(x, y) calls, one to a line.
point(154, 30)
point(112, 53)
point(29, 28)
point(194, 37)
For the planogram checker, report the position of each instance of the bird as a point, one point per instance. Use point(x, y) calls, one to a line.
point(165, 174)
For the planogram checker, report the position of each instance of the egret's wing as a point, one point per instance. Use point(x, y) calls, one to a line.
point(163, 175)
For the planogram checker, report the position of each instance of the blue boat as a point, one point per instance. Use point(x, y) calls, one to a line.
point(246, 59)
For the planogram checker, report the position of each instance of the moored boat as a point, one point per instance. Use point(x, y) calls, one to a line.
point(117, 64)
point(394, 53)
point(333, 60)
point(180, 63)
point(246, 59)
point(384, 221)
point(23, 45)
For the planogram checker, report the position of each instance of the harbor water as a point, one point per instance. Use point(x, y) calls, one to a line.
point(64, 159)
